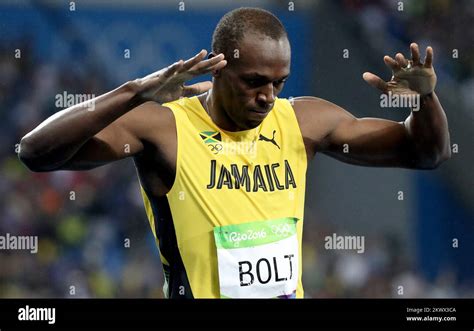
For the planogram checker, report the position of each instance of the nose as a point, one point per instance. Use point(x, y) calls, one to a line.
point(266, 96)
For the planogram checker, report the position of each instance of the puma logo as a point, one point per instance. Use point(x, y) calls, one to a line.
point(262, 137)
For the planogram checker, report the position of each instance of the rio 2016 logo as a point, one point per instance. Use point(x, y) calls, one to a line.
point(236, 237)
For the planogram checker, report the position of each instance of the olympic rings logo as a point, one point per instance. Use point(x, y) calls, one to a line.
point(215, 148)
point(282, 230)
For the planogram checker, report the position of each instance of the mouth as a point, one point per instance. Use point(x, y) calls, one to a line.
point(258, 113)
point(261, 111)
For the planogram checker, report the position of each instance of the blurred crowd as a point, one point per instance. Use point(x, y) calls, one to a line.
point(382, 271)
point(446, 25)
point(94, 237)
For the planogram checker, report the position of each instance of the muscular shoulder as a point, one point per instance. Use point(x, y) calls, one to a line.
point(317, 119)
point(156, 164)
point(151, 122)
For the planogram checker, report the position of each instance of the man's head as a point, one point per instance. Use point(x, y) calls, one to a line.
point(257, 50)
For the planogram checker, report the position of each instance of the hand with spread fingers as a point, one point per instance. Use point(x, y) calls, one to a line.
point(408, 76)
point(168, 84)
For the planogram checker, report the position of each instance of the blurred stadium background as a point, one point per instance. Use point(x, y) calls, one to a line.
point(409, 242)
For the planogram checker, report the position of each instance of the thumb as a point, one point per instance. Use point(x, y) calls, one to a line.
point(375, 81)
point(197, 88)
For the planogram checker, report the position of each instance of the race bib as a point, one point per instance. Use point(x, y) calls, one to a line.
point(258, 259)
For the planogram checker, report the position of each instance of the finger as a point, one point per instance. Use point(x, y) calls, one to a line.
point(429, 57)
point(391, 63)
point(215, 67)
point(375, 81)
point(194, 60)
point(415, 53)
point(172, 69)
point(204, 71)
point(401, 60)
point(204, 66)
point(197, 88)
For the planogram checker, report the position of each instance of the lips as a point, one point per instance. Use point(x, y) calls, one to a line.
point(259, 111)
point(258, 115)
point(265, 110)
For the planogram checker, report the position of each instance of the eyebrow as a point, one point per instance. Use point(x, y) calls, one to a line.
point(258, 76)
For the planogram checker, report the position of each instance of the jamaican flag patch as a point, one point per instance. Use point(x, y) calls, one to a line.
point(210, 137)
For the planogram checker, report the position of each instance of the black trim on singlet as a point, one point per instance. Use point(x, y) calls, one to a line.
point(175, 273)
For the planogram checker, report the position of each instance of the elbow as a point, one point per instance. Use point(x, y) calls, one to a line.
point(433, 161)
point(442, 156)
point(29, 157)
point(25, 153)
point(446, 155)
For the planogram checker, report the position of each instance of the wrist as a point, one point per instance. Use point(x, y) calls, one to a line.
point(425, 101)
point(132, 90)
point(426, 96)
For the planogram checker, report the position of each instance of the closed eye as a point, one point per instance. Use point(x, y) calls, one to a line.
point(254, 82)
point(279, 82)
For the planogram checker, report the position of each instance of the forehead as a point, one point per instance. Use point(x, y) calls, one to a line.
point(264, 55)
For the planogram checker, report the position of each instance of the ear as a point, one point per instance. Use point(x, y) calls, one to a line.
point(215, 73)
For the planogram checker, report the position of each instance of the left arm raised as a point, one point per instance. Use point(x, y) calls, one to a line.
point(429, 134)
point(420, 142)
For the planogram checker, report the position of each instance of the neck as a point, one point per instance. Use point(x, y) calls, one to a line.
point(218, 114)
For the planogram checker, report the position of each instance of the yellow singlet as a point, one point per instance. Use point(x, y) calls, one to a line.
point(235, 212)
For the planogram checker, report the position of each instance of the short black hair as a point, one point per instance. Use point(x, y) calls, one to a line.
point(235, 24)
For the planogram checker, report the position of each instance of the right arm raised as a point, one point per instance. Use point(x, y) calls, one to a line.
point(93, 134)
point(78, 138)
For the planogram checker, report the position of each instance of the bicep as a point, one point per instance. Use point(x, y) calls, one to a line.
point(111, 144)
point(121, 139)
point(369, 142)
point(333, 131)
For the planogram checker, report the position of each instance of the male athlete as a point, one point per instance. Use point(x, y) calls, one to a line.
point(223, 173)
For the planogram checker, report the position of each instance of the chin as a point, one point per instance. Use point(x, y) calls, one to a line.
point(252, 124)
